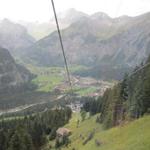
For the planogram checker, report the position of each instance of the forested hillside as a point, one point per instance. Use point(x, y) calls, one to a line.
point(129, 99)
point(32, 132)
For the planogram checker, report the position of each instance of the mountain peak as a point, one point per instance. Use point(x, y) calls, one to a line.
point(72, 10)
point(70, 16)
point(124, 17)
point(9, 24)
point(100, 15)
point(6, 22)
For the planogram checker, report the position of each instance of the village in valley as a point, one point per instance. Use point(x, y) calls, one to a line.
point(81, 86)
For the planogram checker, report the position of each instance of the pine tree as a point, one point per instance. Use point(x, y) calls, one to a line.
point(3, 140)
point(124, 88)
point(16, 142)
point(21, 140)
point(83, 115)
point(146, 92)
point(136, 106)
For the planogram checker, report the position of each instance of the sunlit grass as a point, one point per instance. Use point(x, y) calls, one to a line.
point(47, 77)
point(85, 91)
point(47, 83)
point(132, 136)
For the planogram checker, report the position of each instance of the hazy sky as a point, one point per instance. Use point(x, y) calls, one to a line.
point(41, 10)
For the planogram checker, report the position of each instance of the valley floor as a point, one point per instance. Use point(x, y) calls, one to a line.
point(131, 136)
point(54, 79)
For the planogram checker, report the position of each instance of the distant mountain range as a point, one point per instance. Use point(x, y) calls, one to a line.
point(98, 41)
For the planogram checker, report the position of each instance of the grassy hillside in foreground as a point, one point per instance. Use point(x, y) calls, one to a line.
point(132, 136)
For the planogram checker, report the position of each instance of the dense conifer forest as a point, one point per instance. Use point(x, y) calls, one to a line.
point(32, 132)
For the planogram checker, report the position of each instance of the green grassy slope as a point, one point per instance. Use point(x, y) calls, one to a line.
point(132, 136)
point(47, 77)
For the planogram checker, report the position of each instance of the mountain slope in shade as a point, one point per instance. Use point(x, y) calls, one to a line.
point(12, 75)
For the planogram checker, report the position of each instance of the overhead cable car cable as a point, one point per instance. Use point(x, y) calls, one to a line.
point(62, 46)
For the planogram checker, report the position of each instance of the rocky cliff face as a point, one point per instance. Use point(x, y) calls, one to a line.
point(12, 75)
